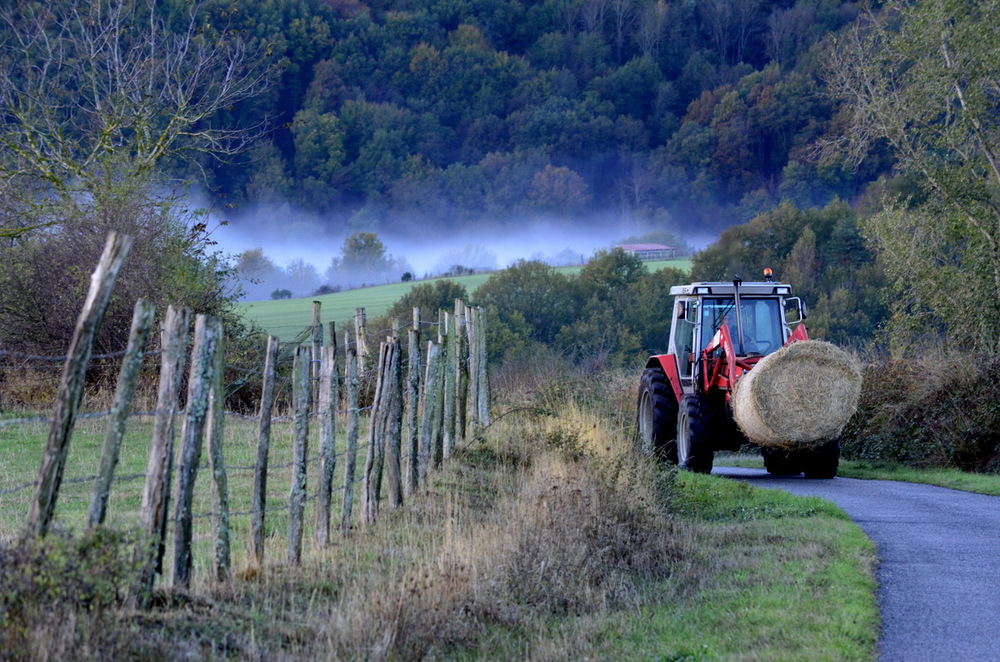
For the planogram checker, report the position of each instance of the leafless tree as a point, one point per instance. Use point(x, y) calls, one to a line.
point(94, 94)
point(592, 14)
point(652, 25)
point(731, 25)
point(624, 16)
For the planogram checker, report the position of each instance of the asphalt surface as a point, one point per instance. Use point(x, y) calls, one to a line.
point(939, 570)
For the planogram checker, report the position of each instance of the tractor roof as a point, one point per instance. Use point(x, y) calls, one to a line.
point(726, 289)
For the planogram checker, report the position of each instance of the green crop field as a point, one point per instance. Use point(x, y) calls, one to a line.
point(286, 318)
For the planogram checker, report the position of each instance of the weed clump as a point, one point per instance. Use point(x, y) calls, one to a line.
point(59, 595)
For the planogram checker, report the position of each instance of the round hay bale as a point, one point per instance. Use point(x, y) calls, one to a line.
point(800, 396)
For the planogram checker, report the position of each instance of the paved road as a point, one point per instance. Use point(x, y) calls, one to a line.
point(939, 575)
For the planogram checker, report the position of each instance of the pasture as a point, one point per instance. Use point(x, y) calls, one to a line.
point(286, 317)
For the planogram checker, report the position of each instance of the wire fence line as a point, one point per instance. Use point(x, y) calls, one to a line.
point(201, 467)
point(314, 376)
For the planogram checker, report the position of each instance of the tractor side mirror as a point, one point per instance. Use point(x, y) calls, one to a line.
point(685, 310)
point(796, 311)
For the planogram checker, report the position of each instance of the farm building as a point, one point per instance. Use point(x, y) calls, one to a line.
point(647, 252)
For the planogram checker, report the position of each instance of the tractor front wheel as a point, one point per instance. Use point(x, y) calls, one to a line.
point(656, 416)
point(781, 462)
point(693, 449)
point(824, 461)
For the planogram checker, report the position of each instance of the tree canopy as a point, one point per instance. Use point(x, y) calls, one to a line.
point(922, 77)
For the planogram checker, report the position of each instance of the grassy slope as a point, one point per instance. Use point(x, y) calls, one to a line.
point(287, 317)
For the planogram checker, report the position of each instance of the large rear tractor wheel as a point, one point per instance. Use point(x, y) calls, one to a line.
point(693, 449)
point(824, 461)
point(656, 416)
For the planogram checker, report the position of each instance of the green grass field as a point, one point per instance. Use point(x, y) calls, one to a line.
point(286, 318)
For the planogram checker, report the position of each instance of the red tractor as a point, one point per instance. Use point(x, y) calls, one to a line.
point(720, 331)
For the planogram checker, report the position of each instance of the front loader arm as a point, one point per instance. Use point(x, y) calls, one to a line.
point(721, 368)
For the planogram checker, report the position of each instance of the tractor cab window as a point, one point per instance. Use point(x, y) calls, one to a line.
point(761, 323)
point(684, 338)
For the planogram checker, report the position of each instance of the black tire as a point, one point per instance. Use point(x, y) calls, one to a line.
point(693, 449)
point(656, 416)
point(780, 462)
point(824, 461)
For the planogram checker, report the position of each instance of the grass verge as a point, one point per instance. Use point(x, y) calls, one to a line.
point(955, 479)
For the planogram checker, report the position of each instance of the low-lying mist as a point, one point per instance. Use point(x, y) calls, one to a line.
point(303, 247)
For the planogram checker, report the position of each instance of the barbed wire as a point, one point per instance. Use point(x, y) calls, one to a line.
point(301, 338)
point(201, 467)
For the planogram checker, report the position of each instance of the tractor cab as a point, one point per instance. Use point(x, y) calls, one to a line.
point(754, 318)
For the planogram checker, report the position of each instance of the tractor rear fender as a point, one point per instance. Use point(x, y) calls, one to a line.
point(798, 335)
point(668, 363)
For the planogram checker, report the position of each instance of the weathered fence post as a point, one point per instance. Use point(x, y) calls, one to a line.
point(128, 377)
point(351, 454)
point(360, 338)
point(448, 391)
point(216, 460)
point(317, 342)
point(483, 391)
point(461, 371)
point(263, 444)
point(301, 371)
point(156, 492)
point(102, 281)
point(394, 427)
point(413, 405)
point(328, 397)
point(200, 378)
point(431, 411)
point(472, 323)
point(374, 458)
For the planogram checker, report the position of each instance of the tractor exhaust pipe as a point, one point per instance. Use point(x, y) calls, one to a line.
point(737, 281)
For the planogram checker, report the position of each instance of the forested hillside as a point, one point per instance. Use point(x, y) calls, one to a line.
point(691, 114)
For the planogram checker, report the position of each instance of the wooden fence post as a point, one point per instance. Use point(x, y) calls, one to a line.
point(301, 371)
point(263, 444)
point(216, 460)
point(472, 323)
point(448, 387)
point(413, 405)
point(461, 371)
point(70, 390)
point(192, 435)
point(483, 391)
point(317, 342)
point(361, 338)
point(128, 377)
point(328, 398)
point(375, 457)
point(156, 492)
point(394, 427)
point(351, 459)
point(431, 410)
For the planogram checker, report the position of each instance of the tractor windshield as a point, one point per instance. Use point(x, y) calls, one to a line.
point(761, 323)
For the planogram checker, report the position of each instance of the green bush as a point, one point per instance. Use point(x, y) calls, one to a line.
point(61, 593)
point(929, 412)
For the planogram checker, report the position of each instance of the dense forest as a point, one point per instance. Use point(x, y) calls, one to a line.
point(852, 148)
point(451, 113)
